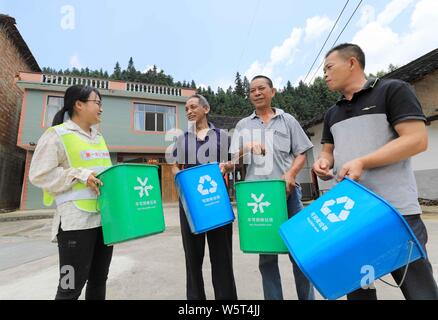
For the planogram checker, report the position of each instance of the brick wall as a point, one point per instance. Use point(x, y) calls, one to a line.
point(427, 92)
point(12, 158)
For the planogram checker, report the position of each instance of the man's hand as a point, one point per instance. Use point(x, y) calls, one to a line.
point(255, 148)
point(226, 167)
point(322, 169)
point(175, 170)
point(353, 169)
point(93, 183)
point(290, 182)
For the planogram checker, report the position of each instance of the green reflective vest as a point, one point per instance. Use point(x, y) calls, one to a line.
point(80, 154)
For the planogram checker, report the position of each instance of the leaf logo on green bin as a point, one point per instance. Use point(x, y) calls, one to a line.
point(213, 185)
point(143, 188)
point(258, 204)
point(343, 215)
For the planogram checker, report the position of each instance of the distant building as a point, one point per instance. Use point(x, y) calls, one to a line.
point(135, 121)
point(15, 56)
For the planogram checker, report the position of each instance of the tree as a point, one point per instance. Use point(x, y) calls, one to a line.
point(392, 67)
point(246, 86)
point(288, 87)
point(131, 73)
point(304, 101)
point(239, 89)
point(117, 74)
point(381, 73)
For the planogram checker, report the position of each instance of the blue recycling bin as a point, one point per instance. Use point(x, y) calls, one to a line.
point(346, 236)
point(204, 196)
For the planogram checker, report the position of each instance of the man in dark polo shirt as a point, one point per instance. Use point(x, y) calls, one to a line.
point(203, 143)
point(369, 135)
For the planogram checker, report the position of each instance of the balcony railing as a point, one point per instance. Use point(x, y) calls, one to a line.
point(108, 84)
point(74, 80)
point(153, 88)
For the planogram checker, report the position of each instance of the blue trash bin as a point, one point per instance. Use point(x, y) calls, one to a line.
point(347, 236)
point(204, 197)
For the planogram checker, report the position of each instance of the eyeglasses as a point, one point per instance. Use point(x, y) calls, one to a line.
point(98, 102)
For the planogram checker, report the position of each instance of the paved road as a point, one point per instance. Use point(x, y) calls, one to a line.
point(148, 268)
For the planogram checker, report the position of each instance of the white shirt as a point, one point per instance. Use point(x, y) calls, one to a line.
point(50, 170)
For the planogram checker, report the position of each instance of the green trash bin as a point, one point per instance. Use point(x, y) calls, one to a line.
point(262, 209)
point(130, 202)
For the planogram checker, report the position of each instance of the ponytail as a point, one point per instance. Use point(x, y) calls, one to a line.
point(73, 94)
point(59, 117)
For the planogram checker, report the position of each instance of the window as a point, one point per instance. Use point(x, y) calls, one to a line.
point(150, 117)
point(54, 104)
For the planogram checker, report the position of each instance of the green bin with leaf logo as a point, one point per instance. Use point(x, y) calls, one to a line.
point(262, 209)
point(130, 202)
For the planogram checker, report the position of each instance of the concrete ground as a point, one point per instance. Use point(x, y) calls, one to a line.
point(149, 268)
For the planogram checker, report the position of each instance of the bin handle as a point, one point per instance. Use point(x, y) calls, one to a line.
point(235, 161)
point(406, 269)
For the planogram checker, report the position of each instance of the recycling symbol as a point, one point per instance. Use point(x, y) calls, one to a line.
point(258, 204)
point(343, 215)
point(143, 188)
point(202, 182)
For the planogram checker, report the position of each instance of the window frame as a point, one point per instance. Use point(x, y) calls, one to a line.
point(142, 129)
point(44, 119)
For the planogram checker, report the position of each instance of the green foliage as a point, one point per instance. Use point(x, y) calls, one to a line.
point(303, 101)
point(381, 73)
point(239, 90)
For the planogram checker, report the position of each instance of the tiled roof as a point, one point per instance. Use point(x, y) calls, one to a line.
point(416, 69)
point(8, 23)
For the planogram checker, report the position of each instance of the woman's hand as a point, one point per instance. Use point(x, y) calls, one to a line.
point(93, 183)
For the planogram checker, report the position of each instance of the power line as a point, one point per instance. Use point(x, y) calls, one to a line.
point(248, 34)
point(354, 12)
point(328, 37)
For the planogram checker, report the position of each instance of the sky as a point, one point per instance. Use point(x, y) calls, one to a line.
point(209, 41)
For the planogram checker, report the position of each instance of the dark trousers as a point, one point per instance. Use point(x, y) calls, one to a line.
point(268, 263)
point(221, 258)
point(419, 283)
point(83, 257)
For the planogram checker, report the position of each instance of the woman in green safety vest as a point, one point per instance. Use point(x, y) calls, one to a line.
point(67, 159)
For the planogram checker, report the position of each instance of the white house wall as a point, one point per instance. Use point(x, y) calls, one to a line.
point(425, 165)
point(316, 140)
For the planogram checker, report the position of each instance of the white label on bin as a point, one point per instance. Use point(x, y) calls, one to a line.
point(317, 223)
point(146, 205)
point(211, 200)
point(260, 222)
point(202, 182)
point(341, 216)
point(143, 188)
point(258, 204)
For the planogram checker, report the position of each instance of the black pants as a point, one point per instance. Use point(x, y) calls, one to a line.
point(221, 258)
point(419, 283)
point(83, 257)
